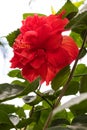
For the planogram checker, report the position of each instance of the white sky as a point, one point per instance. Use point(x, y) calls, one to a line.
point(11, 12)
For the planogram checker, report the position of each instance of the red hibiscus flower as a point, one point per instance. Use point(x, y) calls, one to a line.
point(40, 50)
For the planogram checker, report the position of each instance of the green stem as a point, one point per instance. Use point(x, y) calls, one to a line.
point(66, 85)
point(79, 75)
point(44, 99)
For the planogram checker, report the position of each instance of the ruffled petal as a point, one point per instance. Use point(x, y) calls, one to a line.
point(69, 45)
point(29, 73)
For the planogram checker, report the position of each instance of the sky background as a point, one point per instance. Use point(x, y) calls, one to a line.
point(11, 11)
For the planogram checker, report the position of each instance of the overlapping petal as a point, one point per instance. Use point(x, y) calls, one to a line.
point(40, 50)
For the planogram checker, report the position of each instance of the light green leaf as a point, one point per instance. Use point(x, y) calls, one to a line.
point(25, 15)
point(79, 3)
point(15, 73)
point(78, 40)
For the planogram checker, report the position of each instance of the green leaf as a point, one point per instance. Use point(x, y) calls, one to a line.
point(4, 119)
point(83, 84)
point(60, 121)
point(61, 78)
point(30, 87)
point(27, 107)
point(70, 9)
point(8, 108)
point(78, 40)
point(80, 70)
point(49, 94)
point(20, 112)
point(24, 122)
point(25, 15)
point(32, 100)
point(8, 91)
point(4, 127)
point(80, 108)
point(15, 73)
point(58, 128)
point(82, 119)
point(12, 36)
point(71, 102)
point(79, 3)
point(73, 88)
point(79, 23)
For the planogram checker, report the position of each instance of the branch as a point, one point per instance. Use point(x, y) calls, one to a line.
point(44, 99)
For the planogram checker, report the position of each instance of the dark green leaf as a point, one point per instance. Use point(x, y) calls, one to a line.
point(8, 108)
point(24, 122)
point(70, 9)
point(60, 121)
point(80, 70)
point(83, 84)
point(83, 53)
point(60, 78)
point(15, 73)
point(58, 128)
point(25, 15)
point(64, 115)
point(4, 127)
point(80, 108)
point(12, 36)
point(81, 119)
point(4, 119)
point(30, 87)
point(73, 88)
point(79, 23)
point(32, 100)
point(8, 91)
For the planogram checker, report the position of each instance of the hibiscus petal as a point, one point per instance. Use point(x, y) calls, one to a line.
point(53, 42)
point(59, 58)
point(70, 46)
point(29, 73)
